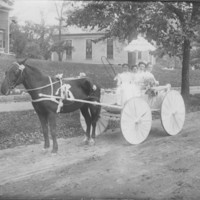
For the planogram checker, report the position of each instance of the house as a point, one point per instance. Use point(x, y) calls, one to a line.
point(4, 27)
point(85, 50)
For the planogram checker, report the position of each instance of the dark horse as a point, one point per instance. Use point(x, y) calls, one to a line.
point(36, 83)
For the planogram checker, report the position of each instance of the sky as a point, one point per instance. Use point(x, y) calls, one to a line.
point(32, 10)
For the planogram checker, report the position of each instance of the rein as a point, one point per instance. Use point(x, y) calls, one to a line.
point(22, 67)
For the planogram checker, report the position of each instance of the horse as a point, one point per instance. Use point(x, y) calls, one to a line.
point(46, 93)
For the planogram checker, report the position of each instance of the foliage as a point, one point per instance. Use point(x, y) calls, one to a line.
point(17, 39)
point(31, 40)
point(32, 50)
point(121, 20)
point(195, 51)
point(41, 34)
point(60, 47)
point(9, 2)
point(60, 9)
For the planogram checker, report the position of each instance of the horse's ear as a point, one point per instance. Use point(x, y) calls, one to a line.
point(22, 62)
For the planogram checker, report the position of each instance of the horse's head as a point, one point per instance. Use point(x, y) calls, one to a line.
point(13, 77)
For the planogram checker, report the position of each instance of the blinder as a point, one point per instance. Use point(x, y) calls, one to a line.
point(21, 69)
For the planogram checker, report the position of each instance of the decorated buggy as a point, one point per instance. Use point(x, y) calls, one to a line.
point(134, 107)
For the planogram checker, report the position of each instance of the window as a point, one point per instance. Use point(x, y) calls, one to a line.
point(68, 49)
point(88, 49)
point(139, 55)
point(2, 41)
point(110, 48)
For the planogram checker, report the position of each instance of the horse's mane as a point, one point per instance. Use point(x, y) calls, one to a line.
point(35, 70)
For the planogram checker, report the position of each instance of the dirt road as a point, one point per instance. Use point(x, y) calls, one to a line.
point(162, 167)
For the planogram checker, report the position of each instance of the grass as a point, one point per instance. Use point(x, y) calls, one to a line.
point(103, 75)
point(68, 125)
point(20, 133)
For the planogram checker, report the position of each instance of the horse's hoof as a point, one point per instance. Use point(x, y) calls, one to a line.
point(85, 138)
point(86, 142)
point(44, 150)
point(54, 152)
point(91, 142)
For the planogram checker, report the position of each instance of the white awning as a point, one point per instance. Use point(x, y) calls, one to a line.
point(140, 44)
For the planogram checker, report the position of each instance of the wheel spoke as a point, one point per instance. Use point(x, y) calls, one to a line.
point(136, 129)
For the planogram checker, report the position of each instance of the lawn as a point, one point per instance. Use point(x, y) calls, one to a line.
point(14, 132)
point(68, 125)
point(20, 133)
point(102, 74)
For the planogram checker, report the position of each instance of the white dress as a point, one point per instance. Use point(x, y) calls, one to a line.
point(126, 87)
point(131, 85)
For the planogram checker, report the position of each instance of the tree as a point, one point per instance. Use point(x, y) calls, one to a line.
point(174, 27)
point(31, 40)
point(32, 50)
point(195, 52)
point(60, 48)
point(60, 9)
point(171, 25)
point(9, 2)
point(17, 39)
point(41, 34)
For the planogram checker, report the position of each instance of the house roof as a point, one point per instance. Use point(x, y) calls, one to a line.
point(81, 34)
point(76, 31)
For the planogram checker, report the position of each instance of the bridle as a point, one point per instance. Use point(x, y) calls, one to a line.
point(21, 68)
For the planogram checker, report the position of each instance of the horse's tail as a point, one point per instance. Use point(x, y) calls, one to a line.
point(92, 90)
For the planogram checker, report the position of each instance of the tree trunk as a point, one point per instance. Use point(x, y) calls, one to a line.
point(131, 55)
point(185, 85)
point(59, 38)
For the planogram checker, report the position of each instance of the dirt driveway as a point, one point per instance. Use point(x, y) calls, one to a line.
point(163, 167)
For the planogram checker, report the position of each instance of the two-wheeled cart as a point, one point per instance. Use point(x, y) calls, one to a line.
point(136, 115)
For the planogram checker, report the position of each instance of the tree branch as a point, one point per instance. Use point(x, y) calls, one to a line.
point(195, 10)
point(176, 11)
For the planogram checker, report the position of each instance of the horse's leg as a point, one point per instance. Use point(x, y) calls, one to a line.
point(44, 124)
point(87, 117)
point(95, 112)
point(52, 126)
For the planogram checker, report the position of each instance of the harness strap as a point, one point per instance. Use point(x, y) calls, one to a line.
point(50, 80)
point(51, 98)
point(60, 103)
point(64, 94)
point(45, 99)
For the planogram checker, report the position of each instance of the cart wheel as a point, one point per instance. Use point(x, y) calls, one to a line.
point(101, 126)
point(136, 120)
point(173, 112)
